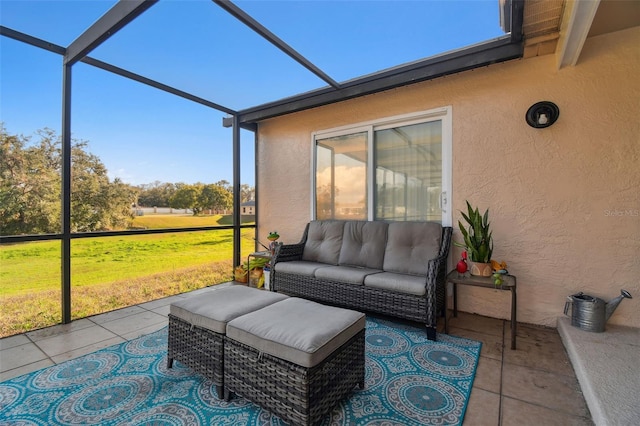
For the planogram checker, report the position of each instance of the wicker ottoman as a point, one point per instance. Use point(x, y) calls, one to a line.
point(197, 326)
point(295, 358)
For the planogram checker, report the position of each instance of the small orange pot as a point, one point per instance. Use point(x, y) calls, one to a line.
point(240, 275)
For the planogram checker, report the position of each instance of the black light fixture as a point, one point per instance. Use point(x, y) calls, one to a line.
point(542, 114)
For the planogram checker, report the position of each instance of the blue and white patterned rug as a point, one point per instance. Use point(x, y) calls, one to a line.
point(409, 381)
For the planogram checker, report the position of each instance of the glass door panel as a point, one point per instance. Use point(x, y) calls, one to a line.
point(341, 177)
point(408, 161)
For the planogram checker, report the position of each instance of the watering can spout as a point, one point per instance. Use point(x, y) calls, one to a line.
point(613, 304)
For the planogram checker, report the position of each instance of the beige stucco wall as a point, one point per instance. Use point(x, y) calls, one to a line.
point(564, 201)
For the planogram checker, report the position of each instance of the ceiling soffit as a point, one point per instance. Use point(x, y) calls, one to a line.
point(541, 26)
point(548, 24)
point(615, 15)
point(542, 17)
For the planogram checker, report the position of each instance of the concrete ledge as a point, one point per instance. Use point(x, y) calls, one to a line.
point(607, 366)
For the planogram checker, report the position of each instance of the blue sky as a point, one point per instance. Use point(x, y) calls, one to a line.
point(142, 134)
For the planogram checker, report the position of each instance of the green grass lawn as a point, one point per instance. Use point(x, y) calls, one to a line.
point(164, 221)
point(112, 272)
point(29, 267)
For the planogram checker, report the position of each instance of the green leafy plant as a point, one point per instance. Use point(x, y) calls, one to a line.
point(255, 262)
point(477, 238)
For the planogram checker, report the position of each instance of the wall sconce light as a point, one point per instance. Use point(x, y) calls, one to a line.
point(542, 114)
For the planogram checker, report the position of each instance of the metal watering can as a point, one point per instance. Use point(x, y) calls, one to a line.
point(591, 313)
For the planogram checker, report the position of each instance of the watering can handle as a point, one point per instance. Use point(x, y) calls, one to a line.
point(566, 305)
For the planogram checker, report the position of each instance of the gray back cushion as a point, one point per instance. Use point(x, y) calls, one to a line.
point(363, 244)
point(324, 240)
point(410, 245)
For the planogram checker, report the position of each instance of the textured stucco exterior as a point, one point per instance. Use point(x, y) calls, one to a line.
point(564, 201)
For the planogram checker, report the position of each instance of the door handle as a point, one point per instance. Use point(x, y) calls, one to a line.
point(443, 201)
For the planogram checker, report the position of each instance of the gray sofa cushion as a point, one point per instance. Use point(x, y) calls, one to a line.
point(299, 267)
point(297, 330)
point(324, 240)
point(402, 283)
point(345, 274)
point(363, 244)
point(216, 308)
point(410, 245)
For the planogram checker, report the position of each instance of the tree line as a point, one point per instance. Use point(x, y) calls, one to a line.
point(199, 197)
point(31, 182)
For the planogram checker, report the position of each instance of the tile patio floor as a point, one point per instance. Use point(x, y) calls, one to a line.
point(533, 385)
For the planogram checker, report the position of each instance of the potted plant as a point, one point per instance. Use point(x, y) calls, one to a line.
point(477, 241)
point(240, 274)
point(250, 271)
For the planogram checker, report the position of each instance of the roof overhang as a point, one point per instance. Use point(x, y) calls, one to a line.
point(484, 54)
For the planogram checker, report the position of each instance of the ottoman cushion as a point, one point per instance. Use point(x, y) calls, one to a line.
point(215, 309)
point(297, 330)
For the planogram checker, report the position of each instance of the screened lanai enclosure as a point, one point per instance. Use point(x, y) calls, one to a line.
point(64, 271)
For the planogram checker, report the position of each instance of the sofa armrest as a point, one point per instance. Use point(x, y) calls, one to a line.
point(446, 241)
point(436, 277)
point(436, 270)
point(284, 253)
point(437, 267)
point(289, 252)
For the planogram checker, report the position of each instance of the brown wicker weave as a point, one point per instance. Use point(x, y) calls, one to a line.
point(198, 348)
point(299, 395)
point(422, 309)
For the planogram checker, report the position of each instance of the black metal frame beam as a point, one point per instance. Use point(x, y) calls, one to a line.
point(228, 122)
point(107, 25)
point(54, 48)
point(33, 41)
point(65, 258)
point(149, 82)
point(256, 26)
point(237, 220)
point(517, 20)
point(12, 239)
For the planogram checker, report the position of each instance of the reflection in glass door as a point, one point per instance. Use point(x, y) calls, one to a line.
point(341, 177)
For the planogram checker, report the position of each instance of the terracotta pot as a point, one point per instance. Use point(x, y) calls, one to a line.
point(480, 269)
point(240, 275)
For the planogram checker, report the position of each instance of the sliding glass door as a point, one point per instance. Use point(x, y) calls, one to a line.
point(396, 169)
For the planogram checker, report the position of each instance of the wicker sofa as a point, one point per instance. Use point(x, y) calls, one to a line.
point(391, 268)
